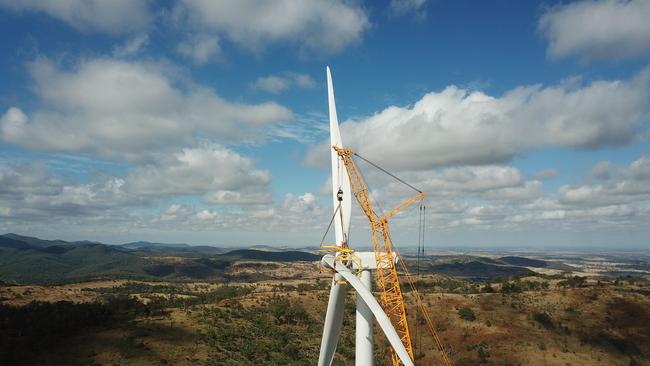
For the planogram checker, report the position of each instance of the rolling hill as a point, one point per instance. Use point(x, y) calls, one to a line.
point(41, 243)
point(525, 262)
point(263, 255)
point(475, 268)
point(478, 270)
point(25, 259)
point(63, 263)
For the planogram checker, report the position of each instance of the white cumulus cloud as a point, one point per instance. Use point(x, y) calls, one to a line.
point(200, 48)
point(30, 191)
point(457, 126)
point(128, 110)
point(604, 29)
point(131, 46)
point(113, 17)
point(622, 186)
point(217, 173)
point(314, 26)
point(402, 7)
point(278, 83)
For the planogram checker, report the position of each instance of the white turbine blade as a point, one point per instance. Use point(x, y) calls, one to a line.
point(339, 174)
point(333, 323)
point(378, 312)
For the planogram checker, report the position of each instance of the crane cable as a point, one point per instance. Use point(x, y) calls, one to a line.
point(330, 225)
point(421, 226)
point(425, 313)
point(420, 305)
point(376, 202)
point(417, 317)
point(386, 171)
point(418, 297)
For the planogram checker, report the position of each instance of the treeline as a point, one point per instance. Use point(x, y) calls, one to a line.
point(280, 331)
point(450, 285)
point(163, 296)
point(303, 287)
point(40, 325)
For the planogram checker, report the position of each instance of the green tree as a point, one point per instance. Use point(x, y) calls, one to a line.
point(466, 313)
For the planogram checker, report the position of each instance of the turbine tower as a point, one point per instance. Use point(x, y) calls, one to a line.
point(354, 268)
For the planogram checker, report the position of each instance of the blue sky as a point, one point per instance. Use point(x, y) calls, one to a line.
point(527, 123)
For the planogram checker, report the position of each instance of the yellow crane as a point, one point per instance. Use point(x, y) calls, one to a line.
point(354, 268)
point(387, 278)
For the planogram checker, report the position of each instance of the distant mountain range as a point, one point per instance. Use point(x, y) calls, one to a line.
point(28, 259)
point(39, 243)
point(521, 261)
point(478, 270)
point(481, 268)
point(284, 256)
point(148, 244)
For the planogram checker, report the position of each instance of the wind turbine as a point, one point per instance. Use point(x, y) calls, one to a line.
point(354, 268)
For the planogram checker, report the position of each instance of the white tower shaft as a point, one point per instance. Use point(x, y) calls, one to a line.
point(363, 352)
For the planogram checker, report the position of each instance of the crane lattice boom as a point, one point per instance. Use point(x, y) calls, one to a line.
point(386, 273)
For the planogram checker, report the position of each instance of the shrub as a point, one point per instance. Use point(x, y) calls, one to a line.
point(544, 319)
point(488, 288)
point(511, 288)
point(575, 281)
point(466, 313)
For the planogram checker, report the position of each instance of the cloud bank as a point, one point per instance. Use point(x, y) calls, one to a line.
point(116, 17)
point(139, 109)
point(605, 29)
point(323, 27)
point(276, 84)
point(458, 126)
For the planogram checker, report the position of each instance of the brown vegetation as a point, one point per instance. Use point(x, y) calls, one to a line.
point(529, 321)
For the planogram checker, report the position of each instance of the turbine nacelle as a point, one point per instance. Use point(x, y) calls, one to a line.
point(355, 261)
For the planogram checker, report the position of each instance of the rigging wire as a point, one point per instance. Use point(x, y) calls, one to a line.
point(420, 304)
point(422, 228)
point(417, 295)
point(330, 225)
point(425, 313)
point(417, 312)
point(386, 171)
